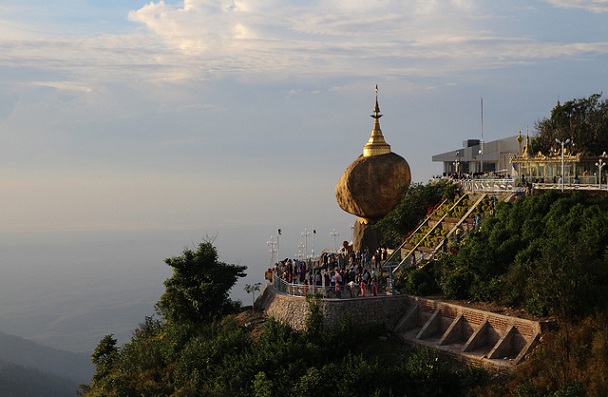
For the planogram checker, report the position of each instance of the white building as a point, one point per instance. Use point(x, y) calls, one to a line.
point(474, 156)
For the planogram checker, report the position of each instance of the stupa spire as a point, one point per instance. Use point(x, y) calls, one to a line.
point(376, 144)
point(527, 148)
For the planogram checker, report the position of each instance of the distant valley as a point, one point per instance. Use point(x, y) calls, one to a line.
point(68, 291)
point(29, 369)
point(75, 367)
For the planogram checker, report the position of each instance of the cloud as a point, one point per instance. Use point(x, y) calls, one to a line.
point(193, 40)
point(337, 37)
point(197, 26)
point(595, 6)
point(62, 85)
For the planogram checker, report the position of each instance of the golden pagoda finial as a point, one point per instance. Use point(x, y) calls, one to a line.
point(376, 144)
point(527, 149)
point(519, 139)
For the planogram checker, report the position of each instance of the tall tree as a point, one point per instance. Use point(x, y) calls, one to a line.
point(584, 120)
point(199, 289)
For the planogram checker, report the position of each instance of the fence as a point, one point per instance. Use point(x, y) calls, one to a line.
point(349, 290)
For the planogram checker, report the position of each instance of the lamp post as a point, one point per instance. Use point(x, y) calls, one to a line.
point(305, 234)
point(314, 234)
point(562, 143)
point(457, 164)
point(600, 164)
point(334, 234)
point(300, 248)
point(278, 234)
point(272, 243)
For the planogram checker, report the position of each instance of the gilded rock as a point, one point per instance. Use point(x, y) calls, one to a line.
point(372, 186)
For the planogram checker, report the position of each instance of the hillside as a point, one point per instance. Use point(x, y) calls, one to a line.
point(18, 381)
point(73, 367)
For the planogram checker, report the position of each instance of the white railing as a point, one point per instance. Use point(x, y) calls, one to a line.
point(349, 290)
point(504, 185)
point(570, 186)
point(498, 185)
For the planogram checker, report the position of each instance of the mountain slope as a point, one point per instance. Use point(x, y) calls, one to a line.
point(75, 367)
point(18, 381)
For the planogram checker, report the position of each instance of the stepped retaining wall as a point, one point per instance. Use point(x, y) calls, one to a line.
point(472, 335)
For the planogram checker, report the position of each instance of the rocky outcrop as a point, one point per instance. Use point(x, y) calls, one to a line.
point(372, 186)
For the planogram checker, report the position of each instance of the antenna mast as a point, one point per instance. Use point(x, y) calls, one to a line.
point(481, 147)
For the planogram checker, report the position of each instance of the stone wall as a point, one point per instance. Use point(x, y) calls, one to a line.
point(294, 310)
point(472, 335)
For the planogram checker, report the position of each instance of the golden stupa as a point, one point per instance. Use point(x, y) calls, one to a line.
point(373, 184)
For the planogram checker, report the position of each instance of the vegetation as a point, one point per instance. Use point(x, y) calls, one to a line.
point(252, 289)
point(199, 289)
point(417, 201)
point(547, 254)
point(584, 120)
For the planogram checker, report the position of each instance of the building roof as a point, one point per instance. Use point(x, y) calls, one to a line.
point(472, 150)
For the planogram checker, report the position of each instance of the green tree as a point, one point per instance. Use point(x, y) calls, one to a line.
point(199, 288)
point(104, 356)
point(583, 120)
point(252, 289)
point(262, 387)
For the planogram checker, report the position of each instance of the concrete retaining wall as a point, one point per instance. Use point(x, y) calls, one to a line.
point(385, 310)
point(472, 335)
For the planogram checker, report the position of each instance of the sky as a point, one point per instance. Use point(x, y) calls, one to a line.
point(174, 121)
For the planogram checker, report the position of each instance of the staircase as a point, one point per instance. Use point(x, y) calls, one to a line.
point(446, 221)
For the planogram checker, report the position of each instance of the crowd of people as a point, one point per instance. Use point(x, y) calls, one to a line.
point(336, 275)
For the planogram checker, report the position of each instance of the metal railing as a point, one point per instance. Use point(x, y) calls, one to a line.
point(570, 186)
point(349, 290)
point(504, 185)
point(497, 185)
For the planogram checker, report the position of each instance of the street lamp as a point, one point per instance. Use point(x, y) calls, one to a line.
point(278, 234)
point(457, 163)
point(272, 243)
point(300, 248)
point(600, 164)
point(305, 234)
point(562, 143)
point(314, 234)
point(334, 234)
